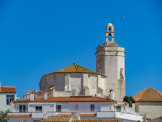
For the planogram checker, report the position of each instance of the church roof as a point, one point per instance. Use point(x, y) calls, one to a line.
point(75, 68)
point(148, 95)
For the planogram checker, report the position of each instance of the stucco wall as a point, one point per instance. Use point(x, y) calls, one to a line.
point(112, 61)
point(73, 82)
point(19, 120)
point(3, 105)
point(153, 110)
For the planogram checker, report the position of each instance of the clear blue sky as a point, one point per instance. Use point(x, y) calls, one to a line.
point(41, 36)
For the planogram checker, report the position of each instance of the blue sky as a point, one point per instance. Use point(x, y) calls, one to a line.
point(41, 36)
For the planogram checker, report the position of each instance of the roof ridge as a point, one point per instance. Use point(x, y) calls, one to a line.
point(75, 66)
point(157, 91)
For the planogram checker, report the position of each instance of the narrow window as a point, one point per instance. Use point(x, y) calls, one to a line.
point(58, 108)
point(9, 98)
point(109, 37)
point(92, 107)
point(118, 108)
point(109, 29)
point(22, 108)
point(38, 108)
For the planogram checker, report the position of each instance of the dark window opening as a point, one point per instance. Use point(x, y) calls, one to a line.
point(118, 108)
point(58, 108)
point(22, 108)
point(109, 29)
point(109, 37)
point(9, 98)
point(92, 107)
point(38, 108)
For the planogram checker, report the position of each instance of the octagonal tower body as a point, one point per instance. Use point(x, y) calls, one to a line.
point(110, 61)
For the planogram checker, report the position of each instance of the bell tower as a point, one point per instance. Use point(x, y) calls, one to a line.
point(110, 61)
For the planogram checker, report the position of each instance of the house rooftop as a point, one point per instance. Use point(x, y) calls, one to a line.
point(148, 95)
point(68, 99)
point(7, 89)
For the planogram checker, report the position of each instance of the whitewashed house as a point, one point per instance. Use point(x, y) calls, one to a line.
point(87, 107)
point(7, 94)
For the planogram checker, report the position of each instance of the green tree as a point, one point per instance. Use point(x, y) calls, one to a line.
point(3, 116)
point(129, 99)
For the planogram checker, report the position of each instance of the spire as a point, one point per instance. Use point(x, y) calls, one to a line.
point(109, 34)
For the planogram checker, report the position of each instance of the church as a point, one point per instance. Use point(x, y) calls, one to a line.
point(107, 81)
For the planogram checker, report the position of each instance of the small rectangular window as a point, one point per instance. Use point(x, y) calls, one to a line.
point(58, 108)
point(9, 98)
point(22, 108)
point(92, 107)
point(38, 108)
point(118, 108)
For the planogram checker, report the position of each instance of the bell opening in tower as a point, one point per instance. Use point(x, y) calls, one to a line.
point(109, 37)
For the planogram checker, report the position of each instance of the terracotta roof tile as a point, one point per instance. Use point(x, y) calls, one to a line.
point(56, 119)
point(7, 89)
point(82, 115)
point(148, 95)
point(68, 99)
point(95, 121)
point(67, 118)
point(19, 115)
point(74, 68)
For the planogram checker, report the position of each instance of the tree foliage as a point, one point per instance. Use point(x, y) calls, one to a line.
point(3, 116)
point(129, 99)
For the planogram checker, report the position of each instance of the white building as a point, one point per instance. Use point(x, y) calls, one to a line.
point(149, 102)
point(7, 94)
point(87, 108)
point(77, 80)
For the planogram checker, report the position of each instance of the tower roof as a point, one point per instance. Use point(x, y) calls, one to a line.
point(112, 44)
point(75, 68)
point(148, 95)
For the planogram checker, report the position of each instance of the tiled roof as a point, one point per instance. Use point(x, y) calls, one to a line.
point(68, 99)
point(74, 68)
point(67, 118)
point(95, 121)
point(56, 119)
point(18, 115)
point(148, 95)
point(7, 89)
point(82, 115)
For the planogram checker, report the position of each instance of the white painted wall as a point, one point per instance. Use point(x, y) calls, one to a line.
point(74, 82)
point(19, 120)
point(3, 105)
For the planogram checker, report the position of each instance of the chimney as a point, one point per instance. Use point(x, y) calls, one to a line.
point(45, 95)
point(111, 96)
point(32, 96)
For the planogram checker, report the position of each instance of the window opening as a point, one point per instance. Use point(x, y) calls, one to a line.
point(109, 37)
point(58, 108)
point(22, 108)
point(118, 108)
point(38, 108)
point(109, 29)
point(9, 98)
point(92, 107)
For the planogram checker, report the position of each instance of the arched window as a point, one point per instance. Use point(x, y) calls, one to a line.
point(109, 37)
point(109, 29)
